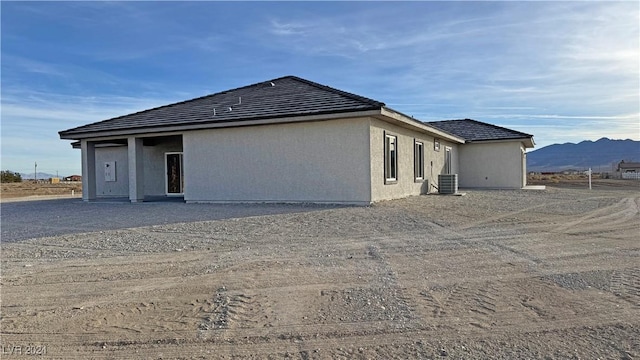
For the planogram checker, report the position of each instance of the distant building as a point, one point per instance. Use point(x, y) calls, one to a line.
point(73, 178)
point(628, 170)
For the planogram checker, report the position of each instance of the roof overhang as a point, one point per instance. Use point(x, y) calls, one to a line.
point(383, 114)
point(153, 131)
point(530, 144)
point(398, 118)
point(526, 141)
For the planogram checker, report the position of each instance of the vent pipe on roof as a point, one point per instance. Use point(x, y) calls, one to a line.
point(229, 108)
point(272, 84)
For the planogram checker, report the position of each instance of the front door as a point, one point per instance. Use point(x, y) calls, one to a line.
point(175, 175)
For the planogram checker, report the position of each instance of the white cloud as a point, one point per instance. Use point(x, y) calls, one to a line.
point(559, 70)
point(69, 110)
point(287, 29)
point(34, 66)
point(631, 117)
point(560, 57)
point(31, 121)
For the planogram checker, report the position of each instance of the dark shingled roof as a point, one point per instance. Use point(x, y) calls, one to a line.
point(283, 97)
point(629, 165)
point(473, 130)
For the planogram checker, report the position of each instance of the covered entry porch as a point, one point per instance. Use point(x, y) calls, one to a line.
point(133, 168)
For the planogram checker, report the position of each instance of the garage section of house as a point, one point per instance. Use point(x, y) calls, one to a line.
point(492, 156)
point(290, 140)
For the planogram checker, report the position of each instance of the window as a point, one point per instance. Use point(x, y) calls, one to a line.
point(447, 160)
point(418, 158)
point(436, 145)
point(390, 158)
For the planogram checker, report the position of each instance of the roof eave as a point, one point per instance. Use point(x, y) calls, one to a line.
point(526, 141)
point(387, 114)
point(217, 125)
point(531, 144)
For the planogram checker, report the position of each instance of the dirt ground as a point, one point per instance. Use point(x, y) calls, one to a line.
point(582, 181)
point(41, 190)
point(551, 274)
point(38, 190)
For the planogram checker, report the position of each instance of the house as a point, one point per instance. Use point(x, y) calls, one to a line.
point(73, 178)
point(491, 155)
point(289, 140)
point(628, 170)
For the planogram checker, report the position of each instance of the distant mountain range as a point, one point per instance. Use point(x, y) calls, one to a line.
point(41, 176)
point(599, 155)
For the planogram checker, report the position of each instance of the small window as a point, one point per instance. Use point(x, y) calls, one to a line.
point(447, 160)
point(418, 158)
point(390, 158)
point(436, 145)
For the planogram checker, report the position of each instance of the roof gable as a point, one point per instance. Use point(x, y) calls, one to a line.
point(473, 130)
point(278, 98)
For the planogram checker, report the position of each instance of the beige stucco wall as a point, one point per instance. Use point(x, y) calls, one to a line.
point(406, 184)
point(117, 188)
point(325, 161)
point(336, 161)
point(492, 165)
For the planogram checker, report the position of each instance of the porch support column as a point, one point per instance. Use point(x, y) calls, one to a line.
point(88, 150)
point(136, 169)
point(524, 166)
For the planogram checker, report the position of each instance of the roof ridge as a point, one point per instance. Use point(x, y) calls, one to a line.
point(345, 101)
point(485, 124)
point(430, 123)
point(166, 106)
point(352, 96)
point(498, 127)
point(335, 91)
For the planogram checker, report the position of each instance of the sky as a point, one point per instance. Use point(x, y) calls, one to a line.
point(562, 71)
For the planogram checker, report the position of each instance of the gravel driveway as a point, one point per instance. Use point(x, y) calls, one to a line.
point(549, 274)
point(34, 219)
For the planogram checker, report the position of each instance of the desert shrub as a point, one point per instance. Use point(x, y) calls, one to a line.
point(10, 176)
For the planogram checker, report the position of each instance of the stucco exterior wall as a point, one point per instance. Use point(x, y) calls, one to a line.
point(492, 165)
point(325, 161)
point(434, 161)
point(117, 188)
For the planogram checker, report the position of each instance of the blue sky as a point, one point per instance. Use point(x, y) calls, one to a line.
point(562, 71)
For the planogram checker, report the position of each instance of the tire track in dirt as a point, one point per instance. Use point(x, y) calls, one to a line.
point(606, 218)
point(607, 221)
point(498, 306)
point(492, 219)
point(626, 285)
point(385, 302)
point(472, 304)
point(444, 289)
point(161, 317)
point(232, 310)
point(629, 206)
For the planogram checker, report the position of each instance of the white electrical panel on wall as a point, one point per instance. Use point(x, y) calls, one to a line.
point(110, 171)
